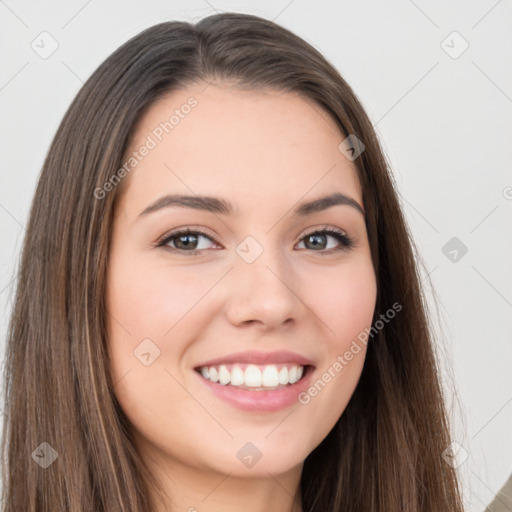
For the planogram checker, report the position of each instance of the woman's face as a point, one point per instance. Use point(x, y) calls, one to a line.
point(259, 278)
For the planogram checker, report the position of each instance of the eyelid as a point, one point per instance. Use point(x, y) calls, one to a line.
point(324, 227)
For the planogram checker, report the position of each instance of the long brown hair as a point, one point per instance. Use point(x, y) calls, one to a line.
point(385, 452)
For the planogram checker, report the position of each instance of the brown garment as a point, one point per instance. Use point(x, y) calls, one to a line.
point(502, 502)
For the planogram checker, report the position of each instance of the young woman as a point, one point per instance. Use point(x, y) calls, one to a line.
point(218, 304)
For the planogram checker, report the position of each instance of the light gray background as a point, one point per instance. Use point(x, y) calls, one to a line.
point(444, 122)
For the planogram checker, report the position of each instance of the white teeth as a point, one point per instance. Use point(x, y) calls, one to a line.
point(224, 375)
point(214, 376)
point(237, 376)
point(270, 376)
point(253, 376)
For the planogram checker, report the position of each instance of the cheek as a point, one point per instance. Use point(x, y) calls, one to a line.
point(146, 307)
point(152, 309)
point(344, 300)
point(149, 301)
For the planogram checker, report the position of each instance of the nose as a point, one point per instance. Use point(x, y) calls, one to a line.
point(262, 293)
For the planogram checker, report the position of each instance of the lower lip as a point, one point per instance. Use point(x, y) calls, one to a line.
point(260, 401)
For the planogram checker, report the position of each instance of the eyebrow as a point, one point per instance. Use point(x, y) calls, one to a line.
point(221, 206)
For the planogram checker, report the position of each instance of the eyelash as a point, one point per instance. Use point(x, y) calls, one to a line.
point(347, 243)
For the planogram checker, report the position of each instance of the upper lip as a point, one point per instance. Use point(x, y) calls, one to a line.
point(254, 357)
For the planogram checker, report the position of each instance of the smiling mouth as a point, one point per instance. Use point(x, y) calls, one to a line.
point(254, 377)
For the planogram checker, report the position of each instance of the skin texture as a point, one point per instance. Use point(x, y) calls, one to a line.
point(264, 152)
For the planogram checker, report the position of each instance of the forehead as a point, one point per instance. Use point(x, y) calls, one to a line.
point(263, 145)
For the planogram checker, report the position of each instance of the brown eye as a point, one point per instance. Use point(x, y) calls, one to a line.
point(186, 241)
